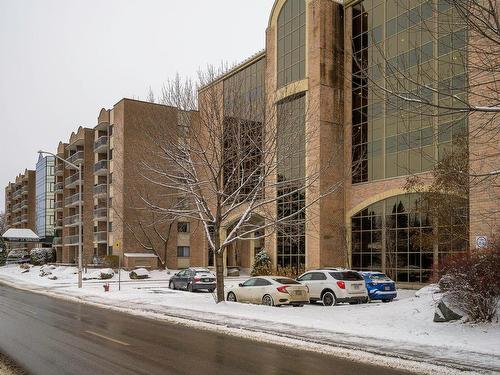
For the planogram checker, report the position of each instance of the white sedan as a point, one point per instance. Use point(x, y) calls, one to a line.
point(270, 291)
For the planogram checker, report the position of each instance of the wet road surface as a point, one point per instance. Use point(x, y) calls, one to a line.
point(51, 336)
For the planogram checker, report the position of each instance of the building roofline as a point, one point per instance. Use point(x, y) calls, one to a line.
point(237, 68)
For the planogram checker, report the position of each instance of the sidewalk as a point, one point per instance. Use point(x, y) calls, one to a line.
point(399, 330)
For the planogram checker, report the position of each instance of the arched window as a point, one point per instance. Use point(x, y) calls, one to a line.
point(408, 235)
point(291, 42)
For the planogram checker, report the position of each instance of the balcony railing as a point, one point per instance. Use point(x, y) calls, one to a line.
point(72, 180)
point(58, 223)
point(101, 237)
point(71, 220)
point(75, 198)
point(18, 219)
point(57, 241)
point(17, 193)
point(58, 205)
point(59, 169)
point(100, 189)
point(101, 213)
point(59, 186)
point(101, 166)
point(101, 143)
point(71, 240)
point(24, 190)
point(16, 207)
point(24, 218)
point(76, 158)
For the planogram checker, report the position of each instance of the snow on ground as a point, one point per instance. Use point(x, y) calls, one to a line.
point(402, 328)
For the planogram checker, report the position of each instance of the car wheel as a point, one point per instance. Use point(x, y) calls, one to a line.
point(298, 305)
point(386, 300)
point(231, 297)
point(329, 299)
point(267, 300)
point(171, 285)
point(190, 288)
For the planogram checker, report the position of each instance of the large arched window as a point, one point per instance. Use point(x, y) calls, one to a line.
point(291, 42)
point(406, 236)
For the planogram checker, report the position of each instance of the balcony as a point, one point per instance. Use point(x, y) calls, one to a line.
point(101, 237)
point(58, 205)
point(24, 218)
point(24, 190)
point(72, 221)
point(101, 190)
point(58, 224)
point(71, 240)
point(101, 144)
point(59, 187)
point(17, 219)
point(24, 204)
point(16, 207)
point(101, 213)
point(72, 181)
point(17, 193)
point(76, 158)
point(59, 169)
point(101, 167)
point(72, 201)
point(57, 241)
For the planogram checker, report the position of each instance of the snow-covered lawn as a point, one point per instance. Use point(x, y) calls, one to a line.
point(402, 328)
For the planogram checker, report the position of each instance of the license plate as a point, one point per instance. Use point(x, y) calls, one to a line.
point(356, 287)
point(387, 288)
point(207, 280)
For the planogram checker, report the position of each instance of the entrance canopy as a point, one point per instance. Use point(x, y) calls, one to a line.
point(20, 235)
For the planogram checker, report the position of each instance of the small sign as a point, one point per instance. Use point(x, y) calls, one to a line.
point(481, 242)
point(117, 244)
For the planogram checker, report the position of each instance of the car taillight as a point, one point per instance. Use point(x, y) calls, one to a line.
point(341, 284)
point(197, 279)
point(282, 289)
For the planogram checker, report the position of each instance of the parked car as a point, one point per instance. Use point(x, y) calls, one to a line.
point(193, 279)
point(334, 285)
point(380, 286)
point(270, 291)
point(18, 257)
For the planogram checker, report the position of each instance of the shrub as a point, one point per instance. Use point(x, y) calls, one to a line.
point(471, 283)
point(291, 272)
point(111, 261)
point(140, 273)
point(41, 256)
point(3, 255)
point(262, 265)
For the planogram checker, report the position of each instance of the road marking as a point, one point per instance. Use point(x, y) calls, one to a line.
point(108, 338)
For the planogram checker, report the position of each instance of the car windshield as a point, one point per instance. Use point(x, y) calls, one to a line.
point(286, 281)
point(379, 277)
point(202, 271)
point(346, 276)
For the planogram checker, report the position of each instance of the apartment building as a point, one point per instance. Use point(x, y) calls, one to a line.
point(338, 60)
point(117, 220)
point(20, 203)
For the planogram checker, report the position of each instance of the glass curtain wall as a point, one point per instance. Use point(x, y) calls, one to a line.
point(402, 237)
point(291, 173)
point(45, 213)
point(405, 49)
point(291, 42)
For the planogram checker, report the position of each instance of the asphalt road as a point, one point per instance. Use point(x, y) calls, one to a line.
point(51, 336)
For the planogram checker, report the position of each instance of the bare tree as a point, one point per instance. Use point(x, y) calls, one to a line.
point(237, 165)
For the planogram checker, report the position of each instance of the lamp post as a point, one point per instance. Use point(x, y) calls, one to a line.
point(79, 167)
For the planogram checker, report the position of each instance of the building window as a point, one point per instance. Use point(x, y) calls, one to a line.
point(396, 56)
point(291, 42)
point(403, 237)
point(183, 251)
point(291, 173)
point(183, 227)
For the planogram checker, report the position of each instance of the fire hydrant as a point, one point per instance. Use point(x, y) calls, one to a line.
point(106, 287)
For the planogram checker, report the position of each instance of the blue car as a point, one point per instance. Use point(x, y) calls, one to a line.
point(380, 286)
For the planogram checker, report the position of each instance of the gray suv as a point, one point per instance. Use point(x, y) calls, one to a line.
point(193, 279)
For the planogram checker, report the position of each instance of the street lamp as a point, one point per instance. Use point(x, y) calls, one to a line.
point(79, 167)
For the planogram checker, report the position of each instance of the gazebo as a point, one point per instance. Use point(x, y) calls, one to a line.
point(20, 239)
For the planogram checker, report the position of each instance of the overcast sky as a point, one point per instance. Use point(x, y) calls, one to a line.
point(61, 61)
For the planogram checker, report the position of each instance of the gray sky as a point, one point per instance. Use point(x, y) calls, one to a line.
point(61, 61)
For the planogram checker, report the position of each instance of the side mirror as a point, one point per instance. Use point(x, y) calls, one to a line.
point(240, 284)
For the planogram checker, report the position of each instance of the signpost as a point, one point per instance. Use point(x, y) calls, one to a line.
point(117, 246)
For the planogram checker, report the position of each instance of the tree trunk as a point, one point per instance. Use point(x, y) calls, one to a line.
point(219, 274)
